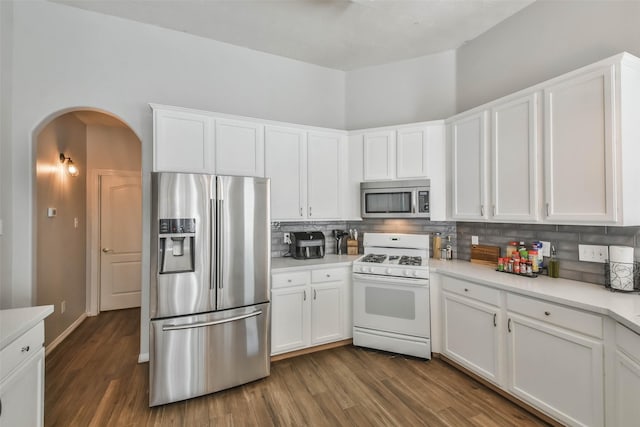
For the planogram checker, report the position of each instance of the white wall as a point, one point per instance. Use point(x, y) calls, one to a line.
point(414, 90)
point(544, 40)
point(5, 152)
point(65, 57)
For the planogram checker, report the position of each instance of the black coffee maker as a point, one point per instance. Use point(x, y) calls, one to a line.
point(307, 245)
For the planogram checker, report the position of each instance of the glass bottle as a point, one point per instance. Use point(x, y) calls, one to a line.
point(554, 264)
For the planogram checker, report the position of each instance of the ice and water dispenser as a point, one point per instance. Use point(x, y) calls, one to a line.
point(177, 245)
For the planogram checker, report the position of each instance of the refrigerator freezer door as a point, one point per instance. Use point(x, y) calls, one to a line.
point(244, 246)
point(196, 355)
point(180, 200)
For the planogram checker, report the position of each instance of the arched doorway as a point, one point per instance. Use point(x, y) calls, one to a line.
point(71, 213)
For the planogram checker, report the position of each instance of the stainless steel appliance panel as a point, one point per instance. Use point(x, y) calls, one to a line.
point(244, 252)
point(197, 355)
point(189, 196)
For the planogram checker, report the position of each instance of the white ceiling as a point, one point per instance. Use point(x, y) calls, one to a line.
point(339, 34)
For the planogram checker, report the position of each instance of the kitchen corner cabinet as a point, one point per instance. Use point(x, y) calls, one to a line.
point(310, 308)
point(626, 377)
point(471, 327)
point(183, 141)
point(468, 144)
point(239, 148)
point(305, 173)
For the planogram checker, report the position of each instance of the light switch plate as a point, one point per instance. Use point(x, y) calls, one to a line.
point(474, 240)
point(546, 248)
point(593, 253)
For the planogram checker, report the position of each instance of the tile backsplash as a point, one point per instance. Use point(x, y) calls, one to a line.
point(565, 238)
point(410, 226)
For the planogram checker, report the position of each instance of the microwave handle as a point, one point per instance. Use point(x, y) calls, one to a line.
point(414, 202)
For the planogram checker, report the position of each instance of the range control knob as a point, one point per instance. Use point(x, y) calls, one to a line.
point(415, 273)
point(389, 271)
point(407, 272)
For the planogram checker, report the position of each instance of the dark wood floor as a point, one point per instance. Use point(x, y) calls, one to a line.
point(93, 379)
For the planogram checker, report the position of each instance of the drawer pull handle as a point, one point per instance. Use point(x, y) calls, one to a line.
point(509, 325)
point(495, 315)
point(547, 313)
point(315, 294)
point(25, 348)
point(289, 280)
point(328, 275)
point(305, 295)
point(466, 289)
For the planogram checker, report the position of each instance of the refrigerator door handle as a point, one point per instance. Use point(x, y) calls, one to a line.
point(219, 229)
point(172, 327)
point(213, 248)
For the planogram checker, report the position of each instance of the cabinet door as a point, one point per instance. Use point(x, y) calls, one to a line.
point(182, 142)
point(22, 394)
point(514, 165)
point(471, 335)
point(468, 145)
point(290, 319)
point(379, 152)
point(323, 179)
point(239, 148)
point(412, 153)
point(556, 370)
point(327, 315)
point(627, 390)
point(578, 148)
point(284, 154)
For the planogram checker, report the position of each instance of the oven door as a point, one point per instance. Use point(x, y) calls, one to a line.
point(391, 304)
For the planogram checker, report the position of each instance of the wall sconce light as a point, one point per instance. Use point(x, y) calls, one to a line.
point(72, 169)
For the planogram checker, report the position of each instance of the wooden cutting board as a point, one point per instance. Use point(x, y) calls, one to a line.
point(485, 254)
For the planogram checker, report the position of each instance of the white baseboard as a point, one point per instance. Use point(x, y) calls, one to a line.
point(143, 357)
point(53, 344)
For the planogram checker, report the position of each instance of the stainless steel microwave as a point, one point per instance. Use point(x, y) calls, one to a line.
point(395, 199)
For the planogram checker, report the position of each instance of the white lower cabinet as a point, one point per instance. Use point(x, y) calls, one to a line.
point(310, 308)
point(547, 355)
point(471, 334)
point(22, 394)
point(626, 377)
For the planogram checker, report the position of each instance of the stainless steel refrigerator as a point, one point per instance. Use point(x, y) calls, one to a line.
point(210, 282)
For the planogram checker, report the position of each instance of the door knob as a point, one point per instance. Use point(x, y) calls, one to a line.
point(107, 250)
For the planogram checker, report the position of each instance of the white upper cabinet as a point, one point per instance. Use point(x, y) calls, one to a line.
point(412, 153)
point(323, 175)
point(305, 171)
point(579, 151)
point(182, 141)
point(239, 148)
point(379, 155)
point(285, 152)
point(468, 153)
point(514, 160)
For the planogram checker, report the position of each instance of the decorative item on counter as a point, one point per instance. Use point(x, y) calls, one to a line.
point(449, 248)
point(485, 254)
point(437, 245)
point(621, 270)
point(554, 264)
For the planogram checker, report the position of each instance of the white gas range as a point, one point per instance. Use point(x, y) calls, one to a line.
point(391, 294)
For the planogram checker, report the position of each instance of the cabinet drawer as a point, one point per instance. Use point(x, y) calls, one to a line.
point(579, 321)
point(283, 280)
point(472, 290)
point(329, 275)
point(21, 349)
point(628, 341)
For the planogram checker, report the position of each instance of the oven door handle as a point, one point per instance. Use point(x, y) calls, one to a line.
point(392, 280)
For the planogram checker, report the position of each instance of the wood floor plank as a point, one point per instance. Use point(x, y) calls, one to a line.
point(93, 379)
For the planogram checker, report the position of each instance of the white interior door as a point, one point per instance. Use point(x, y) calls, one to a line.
point(120, 241)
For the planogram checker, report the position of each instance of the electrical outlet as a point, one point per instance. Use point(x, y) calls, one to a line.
point(593, 253)
point(546, 248)
point(63, 307)
point(474, 240)
point(287, 238)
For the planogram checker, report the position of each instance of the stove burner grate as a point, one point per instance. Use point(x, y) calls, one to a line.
point(377, 258)
point(410, 260)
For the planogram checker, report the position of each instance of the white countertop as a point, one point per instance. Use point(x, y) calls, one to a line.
point(622, 307)
point(290, 264)
point(16, 321)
